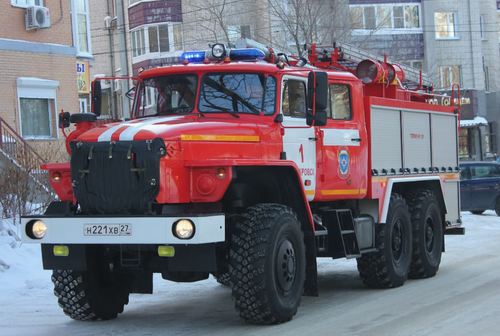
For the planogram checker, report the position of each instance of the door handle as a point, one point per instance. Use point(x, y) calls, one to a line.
point(356, 139)
point(313, 139)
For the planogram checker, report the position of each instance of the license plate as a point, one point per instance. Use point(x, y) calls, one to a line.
point(107, 229)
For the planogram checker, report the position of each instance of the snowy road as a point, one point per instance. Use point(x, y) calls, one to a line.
point(461, 300)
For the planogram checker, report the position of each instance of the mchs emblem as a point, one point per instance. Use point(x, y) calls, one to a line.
point(343, 155)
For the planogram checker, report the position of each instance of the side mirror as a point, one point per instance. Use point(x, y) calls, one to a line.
point(63, 119)
point(319, 118)
point(96, 97)
point(130, 94)
point(317, 82)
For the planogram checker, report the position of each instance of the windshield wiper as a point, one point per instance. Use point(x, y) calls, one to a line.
point(223, 110)
point(175, 110)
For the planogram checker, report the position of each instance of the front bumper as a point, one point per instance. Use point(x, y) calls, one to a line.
point(145, 230)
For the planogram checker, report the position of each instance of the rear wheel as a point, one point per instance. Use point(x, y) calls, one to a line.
point(100, 293)
point(427, 233)
point(477, 212)
point(497, 207)
point(389, 266)
point(222, 278)
point(267, 266)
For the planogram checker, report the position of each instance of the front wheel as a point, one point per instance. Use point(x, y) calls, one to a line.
point(389, 266)
point(99, 293)
point(267, 266)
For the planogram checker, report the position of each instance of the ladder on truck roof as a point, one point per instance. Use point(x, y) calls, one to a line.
point(349, 57)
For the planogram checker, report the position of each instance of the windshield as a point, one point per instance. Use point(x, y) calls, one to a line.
point(237, 92)
point(166, 95)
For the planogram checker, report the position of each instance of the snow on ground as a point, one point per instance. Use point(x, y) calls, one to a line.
point(26, 292)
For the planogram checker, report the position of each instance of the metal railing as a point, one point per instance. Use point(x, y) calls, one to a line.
point(20, 153)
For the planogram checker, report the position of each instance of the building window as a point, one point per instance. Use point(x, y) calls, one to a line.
point(26, 3)
point(138, 43)
point(466, 143)
point(490, 141)
point(83, 105)
point(448, 75)
point(37, 107)
point(81, 28)
point(386, 16)
point(498, 15)
point(156, 39)
point(235, 32)
point(445, 25)
point(486, 74)
point(482, 26)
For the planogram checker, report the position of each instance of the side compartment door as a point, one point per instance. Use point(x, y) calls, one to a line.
point(344, 145)
point(299, 140)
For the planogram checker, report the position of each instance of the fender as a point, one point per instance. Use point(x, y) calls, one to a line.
point(433, 181)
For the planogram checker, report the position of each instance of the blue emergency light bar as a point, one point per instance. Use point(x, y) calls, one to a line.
point(193, 56)
point(248, 54)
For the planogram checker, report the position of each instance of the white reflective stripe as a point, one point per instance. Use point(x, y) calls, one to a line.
point(340, 137)
point(133, 127)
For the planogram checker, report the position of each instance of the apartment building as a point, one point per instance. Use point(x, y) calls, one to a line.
point(454, 41)
point(45, 56)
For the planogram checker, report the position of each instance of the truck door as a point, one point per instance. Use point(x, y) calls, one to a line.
point(344, 145)
point(299, 141)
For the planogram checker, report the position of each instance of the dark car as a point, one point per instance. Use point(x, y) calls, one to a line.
point(480, 186)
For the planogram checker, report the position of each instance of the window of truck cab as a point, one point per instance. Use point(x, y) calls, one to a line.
point(339, 106)
point(294, 103)
point(251, 93)
point(166, 95)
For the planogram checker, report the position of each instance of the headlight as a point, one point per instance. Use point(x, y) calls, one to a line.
point(183, 229)
point(36, 229)
point(56, 176)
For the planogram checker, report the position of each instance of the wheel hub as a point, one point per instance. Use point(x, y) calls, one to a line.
point(285, 266)
point(429, 236)
point(397, 240)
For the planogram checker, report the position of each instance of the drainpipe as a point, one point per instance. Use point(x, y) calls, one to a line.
point(111, 66)
point(122, 45)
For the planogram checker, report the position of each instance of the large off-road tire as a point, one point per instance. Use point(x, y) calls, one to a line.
point(389, 266)
point(222, 278)
point(427, 233)
point(267, 264)
point(99, 293)
point(477, 212)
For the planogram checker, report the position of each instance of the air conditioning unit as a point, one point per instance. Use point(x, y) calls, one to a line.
point(37, 17)
point(118, 84)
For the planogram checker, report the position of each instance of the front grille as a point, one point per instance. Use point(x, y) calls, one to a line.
point(117, 177)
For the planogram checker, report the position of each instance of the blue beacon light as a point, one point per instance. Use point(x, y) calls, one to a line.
point(246, 54)
point(193, 56)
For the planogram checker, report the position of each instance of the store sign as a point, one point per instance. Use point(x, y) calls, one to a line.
point(467, 101)
point(82, 76)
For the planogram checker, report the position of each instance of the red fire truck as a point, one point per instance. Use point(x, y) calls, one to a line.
point(249, 164)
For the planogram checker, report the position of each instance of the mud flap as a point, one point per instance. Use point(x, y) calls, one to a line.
point(76, 260)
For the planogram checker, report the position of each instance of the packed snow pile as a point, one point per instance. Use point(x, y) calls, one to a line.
point(8, 240)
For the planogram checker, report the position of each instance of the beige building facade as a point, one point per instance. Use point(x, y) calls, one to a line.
point(39, 70)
